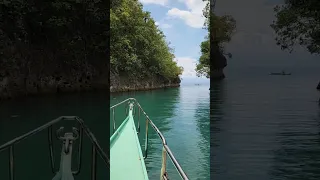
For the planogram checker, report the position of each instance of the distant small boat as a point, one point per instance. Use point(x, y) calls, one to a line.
point(281, 73)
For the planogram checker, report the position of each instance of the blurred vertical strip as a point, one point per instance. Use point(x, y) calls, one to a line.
point(211, 34)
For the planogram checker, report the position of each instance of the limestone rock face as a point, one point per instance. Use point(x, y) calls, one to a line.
point(12, 85)
point(218, 63)
point(122, 84)
point(217, 74)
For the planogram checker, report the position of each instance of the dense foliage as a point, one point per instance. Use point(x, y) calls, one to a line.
point(298, 23)
point(53, 38)
point(58, 45)
point(138, 47)
point(223, 28)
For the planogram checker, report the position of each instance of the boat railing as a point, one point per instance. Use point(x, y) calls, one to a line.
point(165, 149)
point(66, 154)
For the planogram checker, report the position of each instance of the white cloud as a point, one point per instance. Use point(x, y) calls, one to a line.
point(195, 6)
point(188, 64)
point(193, 17)
point(158, 2)
point(163, 25)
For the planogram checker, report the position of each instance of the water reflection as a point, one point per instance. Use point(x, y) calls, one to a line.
point(264, 130)
point(202, 119)
point(182, 115)
point(298, 157)
point(217, 99)
point(161, 106)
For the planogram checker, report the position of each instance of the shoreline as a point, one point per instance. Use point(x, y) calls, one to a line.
point(86, 90)
point(141, 88)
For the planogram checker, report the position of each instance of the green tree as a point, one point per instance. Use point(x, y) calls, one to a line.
point(57, 39)
point(64, 44)
point(297, 23)
point(138, 47)
point(223, 28)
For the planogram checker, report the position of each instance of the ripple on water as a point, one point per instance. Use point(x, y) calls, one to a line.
point(182, 115)
point(265, 129)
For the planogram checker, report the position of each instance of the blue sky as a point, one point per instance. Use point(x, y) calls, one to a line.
point(252, 45)
point(182, 23)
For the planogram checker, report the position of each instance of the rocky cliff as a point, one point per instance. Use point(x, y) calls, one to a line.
point(124, 83)
point(14, 84)
point(218, 63)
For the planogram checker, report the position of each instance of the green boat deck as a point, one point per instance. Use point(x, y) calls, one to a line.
point(126, 159)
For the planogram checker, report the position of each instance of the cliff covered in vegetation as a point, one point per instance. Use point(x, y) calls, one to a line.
point(63, 46)
point(141, 58)
point(54, 46)
point(220, 30)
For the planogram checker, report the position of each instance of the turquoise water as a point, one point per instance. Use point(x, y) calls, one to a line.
point(182, 115)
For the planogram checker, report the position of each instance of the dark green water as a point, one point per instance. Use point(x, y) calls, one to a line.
point(182, 115)
point(266, 127)
point(32, 155)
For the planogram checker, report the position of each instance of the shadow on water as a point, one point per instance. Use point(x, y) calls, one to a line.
point(161, 106)
point(32, 159)
point(297, 157)
point(217, 100)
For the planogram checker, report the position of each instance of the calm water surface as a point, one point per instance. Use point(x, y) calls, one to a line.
point(266, 127)
point(262, 127)
point(182, 115)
